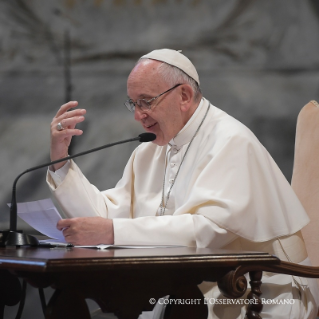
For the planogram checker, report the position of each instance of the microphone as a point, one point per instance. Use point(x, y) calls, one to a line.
point(147, 137)
point(12, 237)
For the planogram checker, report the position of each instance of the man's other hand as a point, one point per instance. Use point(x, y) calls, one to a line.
point(87, 230)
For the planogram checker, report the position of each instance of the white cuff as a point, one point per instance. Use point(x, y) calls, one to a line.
point(59, 175)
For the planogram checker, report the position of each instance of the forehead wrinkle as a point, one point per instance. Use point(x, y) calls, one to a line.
point(144, 81)
point(141, 97)
point(142, 92)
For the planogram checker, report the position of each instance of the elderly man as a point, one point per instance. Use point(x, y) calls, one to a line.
point(205, 181)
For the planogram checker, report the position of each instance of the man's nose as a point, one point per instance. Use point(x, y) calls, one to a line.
point(139, 115)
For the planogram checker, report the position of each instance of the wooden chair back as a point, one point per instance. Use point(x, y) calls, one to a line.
point(305, 179)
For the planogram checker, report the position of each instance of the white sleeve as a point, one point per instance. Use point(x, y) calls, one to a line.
point(59, 175)
point(184, 230)
point(77, 197)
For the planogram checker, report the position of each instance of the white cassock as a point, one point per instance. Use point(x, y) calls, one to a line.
point(229, 193)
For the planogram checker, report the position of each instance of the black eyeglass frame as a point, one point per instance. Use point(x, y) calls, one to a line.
point(130, 104)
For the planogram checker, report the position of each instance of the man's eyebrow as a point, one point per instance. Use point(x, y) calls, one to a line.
point(145, 96)
point(142, 96)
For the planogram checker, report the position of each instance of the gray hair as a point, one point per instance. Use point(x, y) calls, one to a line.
point(173, 75)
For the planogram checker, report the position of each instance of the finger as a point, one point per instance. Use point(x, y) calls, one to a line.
point(71, 238)
point(66, 133)
point(70, 114)
point(66, 107)
point(71, 122)
point(67, 115)
point(63, 223)
point(66, 231)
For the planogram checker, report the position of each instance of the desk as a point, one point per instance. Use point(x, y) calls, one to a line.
point(122, 281)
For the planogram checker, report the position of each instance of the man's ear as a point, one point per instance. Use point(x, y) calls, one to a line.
point(187, 96)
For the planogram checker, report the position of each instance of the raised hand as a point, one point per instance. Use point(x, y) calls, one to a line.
point(62, 130)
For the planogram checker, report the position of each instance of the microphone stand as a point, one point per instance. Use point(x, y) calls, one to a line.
point(12, 237)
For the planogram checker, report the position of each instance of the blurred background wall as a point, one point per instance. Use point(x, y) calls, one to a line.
point(257, 60)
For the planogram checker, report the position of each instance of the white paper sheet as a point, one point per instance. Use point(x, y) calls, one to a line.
point(43, 216)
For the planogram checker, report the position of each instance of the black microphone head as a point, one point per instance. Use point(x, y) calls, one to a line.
point(147, 137)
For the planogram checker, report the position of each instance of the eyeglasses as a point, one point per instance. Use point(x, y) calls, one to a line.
point(143, 104)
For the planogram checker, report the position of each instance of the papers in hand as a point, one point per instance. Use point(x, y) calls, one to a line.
point(43, 216)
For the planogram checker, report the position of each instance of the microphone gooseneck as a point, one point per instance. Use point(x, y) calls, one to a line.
point(14, 238)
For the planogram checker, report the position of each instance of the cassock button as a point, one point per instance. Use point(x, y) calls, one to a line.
point(171, 181)
point(173, 164)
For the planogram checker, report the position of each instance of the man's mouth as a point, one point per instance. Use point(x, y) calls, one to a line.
point(151, 125)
